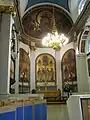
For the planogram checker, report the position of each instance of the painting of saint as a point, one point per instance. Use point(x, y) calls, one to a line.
point(24, 67)
point(45, 69)
point(24, 72)
point(69, 67)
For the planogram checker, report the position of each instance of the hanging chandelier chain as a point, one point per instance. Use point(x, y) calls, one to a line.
point(54, 28)
point(54, 39)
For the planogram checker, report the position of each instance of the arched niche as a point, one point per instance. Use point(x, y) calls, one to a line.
point(24, 71)
point(68, 66)
point(45, 73)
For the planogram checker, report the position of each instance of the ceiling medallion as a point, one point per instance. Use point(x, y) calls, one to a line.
point(54, 39)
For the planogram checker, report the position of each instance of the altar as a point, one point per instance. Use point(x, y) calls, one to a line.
point(51, 94)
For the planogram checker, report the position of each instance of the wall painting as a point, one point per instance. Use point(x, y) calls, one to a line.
point(69, 68)
point(45, 70)
point(24, 71)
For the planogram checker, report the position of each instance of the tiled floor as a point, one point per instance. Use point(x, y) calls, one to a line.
point(57, 112)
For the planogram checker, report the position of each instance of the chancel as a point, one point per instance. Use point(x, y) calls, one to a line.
point(45, 59)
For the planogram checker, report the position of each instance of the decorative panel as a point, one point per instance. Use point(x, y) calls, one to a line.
point(45, 71)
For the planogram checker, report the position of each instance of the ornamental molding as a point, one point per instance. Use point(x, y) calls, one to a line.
point(6, 6)
point(6, 9)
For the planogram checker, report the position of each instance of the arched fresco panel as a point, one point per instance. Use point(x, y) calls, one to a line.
point(45, 72)
point(24, 71)
point(69, 69)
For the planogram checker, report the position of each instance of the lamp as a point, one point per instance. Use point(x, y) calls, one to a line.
point(54, 39)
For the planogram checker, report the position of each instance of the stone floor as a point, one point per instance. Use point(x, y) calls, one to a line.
point(57, 112)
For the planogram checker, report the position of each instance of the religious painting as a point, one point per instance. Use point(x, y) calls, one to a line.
point(24, 68)
point(39, 21)
point(69, 68)
point(45, 70)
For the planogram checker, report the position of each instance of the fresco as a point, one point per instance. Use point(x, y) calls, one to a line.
point(45, 70)
point(24, 72)
point(24, 66)
point(69, 68)
point(39, 21)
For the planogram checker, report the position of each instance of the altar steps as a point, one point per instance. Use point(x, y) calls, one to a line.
point(55, 103)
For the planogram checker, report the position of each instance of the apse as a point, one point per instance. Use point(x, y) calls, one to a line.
point(38, 21)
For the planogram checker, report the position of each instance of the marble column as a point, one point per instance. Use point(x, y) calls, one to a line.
point(82, 73)
point(5, 45)
point(58, 73)
point(32, 69)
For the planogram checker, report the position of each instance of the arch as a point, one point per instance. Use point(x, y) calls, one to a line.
point(83, 41)
point(24, 71)
point(68, 66)
point(45, 72)
point(48, 3)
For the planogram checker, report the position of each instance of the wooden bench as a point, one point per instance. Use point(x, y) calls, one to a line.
point(51, 94)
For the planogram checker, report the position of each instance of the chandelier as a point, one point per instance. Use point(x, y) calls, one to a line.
point(54, 39)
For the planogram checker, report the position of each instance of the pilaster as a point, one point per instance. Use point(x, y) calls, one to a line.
point(32, 67)
point(82, 74)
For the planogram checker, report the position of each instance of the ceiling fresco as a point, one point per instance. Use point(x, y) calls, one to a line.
point(38, 21)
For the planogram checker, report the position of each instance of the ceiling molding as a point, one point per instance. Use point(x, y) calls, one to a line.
point(47, 3)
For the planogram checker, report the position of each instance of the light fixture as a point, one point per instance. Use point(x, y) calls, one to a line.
point(54, 39)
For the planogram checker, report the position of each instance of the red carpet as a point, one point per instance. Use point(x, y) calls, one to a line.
point(56, 103)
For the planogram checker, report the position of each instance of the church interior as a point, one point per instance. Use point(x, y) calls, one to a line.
point(45, 59)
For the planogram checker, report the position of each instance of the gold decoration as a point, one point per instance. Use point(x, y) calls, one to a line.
point(7, 9)
point(45, 70)
point(54, 39)
point(33, 48)
point(57, 48)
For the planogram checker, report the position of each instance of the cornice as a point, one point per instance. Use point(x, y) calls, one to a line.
point(6, 9)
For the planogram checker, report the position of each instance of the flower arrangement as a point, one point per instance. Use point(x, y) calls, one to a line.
point(67, 87)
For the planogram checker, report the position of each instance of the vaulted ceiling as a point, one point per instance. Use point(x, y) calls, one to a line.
point(63, 3)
